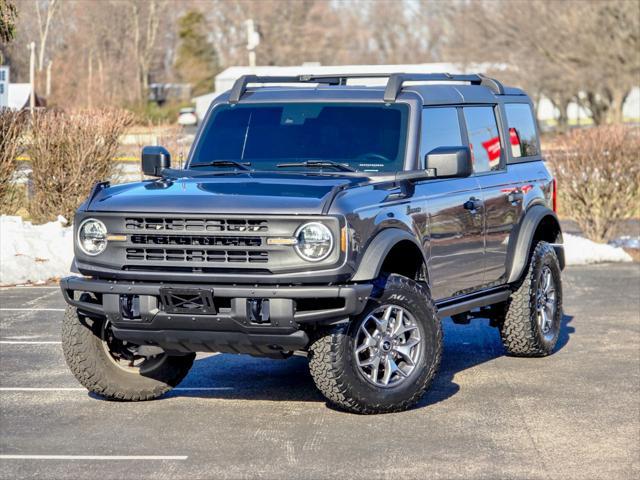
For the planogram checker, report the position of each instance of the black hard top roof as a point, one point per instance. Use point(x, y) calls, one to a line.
point(438, 88)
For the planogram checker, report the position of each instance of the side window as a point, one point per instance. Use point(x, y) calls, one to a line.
point(522, 130)
point(440, 128)
point(484, 139)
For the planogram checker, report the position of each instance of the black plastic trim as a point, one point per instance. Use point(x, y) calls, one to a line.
point(376, 253)
point(184, 341)
point(448, 308)
point(518, 252)
point(355, 296)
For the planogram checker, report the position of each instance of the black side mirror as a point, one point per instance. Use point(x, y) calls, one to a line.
point(449, 161)
point(154, 160)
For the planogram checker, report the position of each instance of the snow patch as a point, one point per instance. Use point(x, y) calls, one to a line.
point(582, 251)
point(34, 253)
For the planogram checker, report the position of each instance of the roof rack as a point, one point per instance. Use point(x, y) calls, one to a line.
point(394, 84)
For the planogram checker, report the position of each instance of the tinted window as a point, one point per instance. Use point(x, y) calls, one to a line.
point(440, 128)
point(522, 130)
point(484, 139)
point(365, 137)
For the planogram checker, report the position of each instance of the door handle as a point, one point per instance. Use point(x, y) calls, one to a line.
point(515, 197)
point(473, 205)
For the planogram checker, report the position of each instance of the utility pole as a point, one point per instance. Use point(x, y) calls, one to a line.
point(253, 40)
point(48, 85)
point(32, 77)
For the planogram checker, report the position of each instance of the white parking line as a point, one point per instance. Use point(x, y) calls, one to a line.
point(80, 389)
point(30, 342)
point(42, 389)
point(31, 287)
point(31, 309)
point(93, 457)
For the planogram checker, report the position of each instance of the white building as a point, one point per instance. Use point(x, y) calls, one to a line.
point(18, 95)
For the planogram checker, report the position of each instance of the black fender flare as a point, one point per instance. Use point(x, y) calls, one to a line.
point(522, 240)
point(377, 250)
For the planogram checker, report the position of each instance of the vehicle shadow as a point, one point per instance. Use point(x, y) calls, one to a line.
point(467, 346)
point(241, 377)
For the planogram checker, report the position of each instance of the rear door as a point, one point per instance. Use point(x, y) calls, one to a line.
point(501, 191)
point(456, 239)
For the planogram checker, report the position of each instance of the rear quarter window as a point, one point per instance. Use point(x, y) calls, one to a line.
point(484, 138)
point(522, 130)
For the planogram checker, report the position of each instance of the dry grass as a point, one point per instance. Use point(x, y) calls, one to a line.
point(598, 174)
point(12, 128)
point(70, 151)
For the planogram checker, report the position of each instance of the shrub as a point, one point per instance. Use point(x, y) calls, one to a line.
point(150, 113)
point(12, 127)
point(70, 151)
point(598, 174)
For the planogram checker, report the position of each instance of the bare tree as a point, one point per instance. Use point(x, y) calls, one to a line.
point(44, 23)
point(586, 50)
point(292, 32)
point(146, 16)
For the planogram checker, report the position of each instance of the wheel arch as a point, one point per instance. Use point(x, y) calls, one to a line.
point(538, 224)
point(392, 251)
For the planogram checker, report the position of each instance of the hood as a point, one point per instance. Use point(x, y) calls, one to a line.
point(267, 193)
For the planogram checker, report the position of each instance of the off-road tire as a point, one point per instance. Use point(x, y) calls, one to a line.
point(90, 364)
point(520, 332)
point(334, 370)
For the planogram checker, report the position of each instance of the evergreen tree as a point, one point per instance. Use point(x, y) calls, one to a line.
point(197, 59)
point(7, 20)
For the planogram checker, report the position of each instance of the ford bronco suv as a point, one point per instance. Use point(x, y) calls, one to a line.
point(321, 218)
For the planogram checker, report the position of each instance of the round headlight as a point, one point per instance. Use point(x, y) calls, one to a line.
point(315, 242)
point(92, 236)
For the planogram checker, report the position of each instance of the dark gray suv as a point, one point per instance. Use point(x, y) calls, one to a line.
point(337, 221)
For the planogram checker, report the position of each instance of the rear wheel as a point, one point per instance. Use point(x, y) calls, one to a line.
point(384, 359)
point(115, 369)
point(533, 315)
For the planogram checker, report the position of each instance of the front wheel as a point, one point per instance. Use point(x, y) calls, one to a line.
point(115, 369)
point(384, 359)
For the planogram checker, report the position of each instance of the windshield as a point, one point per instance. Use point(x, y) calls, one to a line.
point(363, 137)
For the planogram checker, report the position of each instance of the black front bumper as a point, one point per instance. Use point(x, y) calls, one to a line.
point(230, 327)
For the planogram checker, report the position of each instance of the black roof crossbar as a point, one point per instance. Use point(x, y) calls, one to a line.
point(240, 85)
point(394, 85)
point(396, 80)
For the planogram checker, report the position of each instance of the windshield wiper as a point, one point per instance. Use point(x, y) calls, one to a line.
point(318, 164)
point(223, 163)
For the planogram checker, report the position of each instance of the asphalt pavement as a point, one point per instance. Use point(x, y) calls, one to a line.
point(575, 414)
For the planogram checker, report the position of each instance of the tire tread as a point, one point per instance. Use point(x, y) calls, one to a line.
point(327, 358)
point(518, 329)
point(86, 360)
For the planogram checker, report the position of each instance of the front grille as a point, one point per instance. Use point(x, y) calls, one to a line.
point(197, 255)
point(198, 240)
point(196, 224)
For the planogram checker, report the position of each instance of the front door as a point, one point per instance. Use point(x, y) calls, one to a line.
point(455, 213)
point(456, 218)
